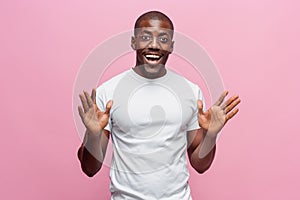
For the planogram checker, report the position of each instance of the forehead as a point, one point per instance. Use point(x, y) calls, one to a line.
point(155, 26)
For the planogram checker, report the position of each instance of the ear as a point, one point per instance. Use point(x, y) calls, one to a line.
point(172, 47)
point(133, 43)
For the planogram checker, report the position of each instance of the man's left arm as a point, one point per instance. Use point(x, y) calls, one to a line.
point(202, 142)
point(196, 140)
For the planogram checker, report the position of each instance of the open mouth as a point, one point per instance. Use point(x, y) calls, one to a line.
point(153, 57)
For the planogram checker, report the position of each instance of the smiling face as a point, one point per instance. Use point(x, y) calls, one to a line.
point(153, 44)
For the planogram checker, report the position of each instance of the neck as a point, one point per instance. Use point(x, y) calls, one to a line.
point(146, 72)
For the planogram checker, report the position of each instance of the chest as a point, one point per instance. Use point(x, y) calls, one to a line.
point(150, 109)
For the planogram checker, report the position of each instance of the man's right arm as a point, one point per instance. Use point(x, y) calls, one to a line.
point(92, 152)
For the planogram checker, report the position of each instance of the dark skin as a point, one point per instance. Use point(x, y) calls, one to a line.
point(153, 38)
point(92, 151)
point(153, 44)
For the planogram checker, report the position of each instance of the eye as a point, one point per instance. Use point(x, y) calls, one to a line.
point(145, 37)
point(164, 39)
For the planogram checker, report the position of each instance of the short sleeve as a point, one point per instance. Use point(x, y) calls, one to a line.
point(101, 101)
point(193, 124)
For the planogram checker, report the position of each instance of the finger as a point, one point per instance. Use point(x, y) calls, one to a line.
point(232, 105)
point(96, 107)
point(84, 102)
point(81, 113)
point(93, 95)
point(231, 114)
point(221, 98)
point(229, 101)
point(89, 99)
point(108, 106)
point(200, 107)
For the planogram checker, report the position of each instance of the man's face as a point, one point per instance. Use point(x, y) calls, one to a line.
point(153, 44)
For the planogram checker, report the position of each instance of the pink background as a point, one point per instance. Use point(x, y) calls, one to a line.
point(255, 45)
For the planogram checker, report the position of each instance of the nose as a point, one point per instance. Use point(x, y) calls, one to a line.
point(154, 43)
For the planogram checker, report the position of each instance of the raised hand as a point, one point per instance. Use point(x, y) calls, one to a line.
point(94, 119)
point(214, 119)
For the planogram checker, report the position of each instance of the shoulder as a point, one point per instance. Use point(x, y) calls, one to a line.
point(108, 86)
point(182, 80)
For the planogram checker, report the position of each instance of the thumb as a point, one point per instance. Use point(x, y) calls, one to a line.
point(108, 106)
point(200, 107)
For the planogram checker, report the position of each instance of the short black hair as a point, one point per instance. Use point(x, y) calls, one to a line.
point(156, 15)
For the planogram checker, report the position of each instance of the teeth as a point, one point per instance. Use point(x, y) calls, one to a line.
point(152, 56)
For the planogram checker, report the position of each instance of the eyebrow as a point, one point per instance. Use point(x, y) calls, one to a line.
point(147, 32)
point(163, 34)
point(150, 33)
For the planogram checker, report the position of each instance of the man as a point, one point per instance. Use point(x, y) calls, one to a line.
point(153, 115)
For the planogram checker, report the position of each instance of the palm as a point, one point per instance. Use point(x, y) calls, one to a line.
point(214, 119)
point(93, 119)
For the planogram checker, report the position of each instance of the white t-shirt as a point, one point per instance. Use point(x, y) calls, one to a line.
point(148, 124)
